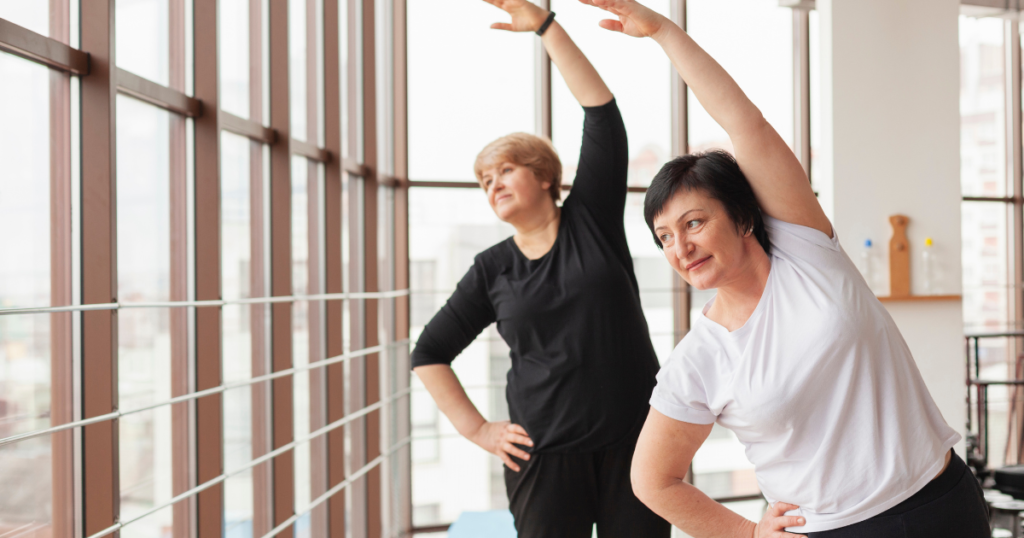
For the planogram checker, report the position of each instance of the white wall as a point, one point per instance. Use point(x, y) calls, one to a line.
point(891, 144)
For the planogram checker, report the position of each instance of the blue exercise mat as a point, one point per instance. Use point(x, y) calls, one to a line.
point(490, 524)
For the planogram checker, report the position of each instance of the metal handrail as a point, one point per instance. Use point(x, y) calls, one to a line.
point(203, 393)
point(211, 303)
point(978, 444)
point(270, 455)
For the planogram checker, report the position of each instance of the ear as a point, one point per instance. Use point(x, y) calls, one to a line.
point(545, 185)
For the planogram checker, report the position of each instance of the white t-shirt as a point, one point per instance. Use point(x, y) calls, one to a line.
point(818, 385)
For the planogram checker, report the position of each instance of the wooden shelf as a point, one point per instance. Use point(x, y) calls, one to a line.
point(918, 298)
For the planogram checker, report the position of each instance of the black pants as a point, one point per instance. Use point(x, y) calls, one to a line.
point(951, 506)
point(563, 495)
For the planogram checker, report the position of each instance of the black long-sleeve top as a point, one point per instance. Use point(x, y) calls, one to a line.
point(583, 366)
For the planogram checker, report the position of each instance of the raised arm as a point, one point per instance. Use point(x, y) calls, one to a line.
point(774, 173)
point(580, 76)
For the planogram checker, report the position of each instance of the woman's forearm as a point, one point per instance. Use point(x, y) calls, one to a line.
point(580, 76)
point(451, 398)
point(716, 90)
point(695, 513)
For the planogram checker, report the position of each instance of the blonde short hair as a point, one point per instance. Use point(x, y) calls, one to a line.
point(524, 149)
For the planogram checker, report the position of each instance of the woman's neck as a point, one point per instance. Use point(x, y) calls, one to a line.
point(537, 234)
point(736, 300)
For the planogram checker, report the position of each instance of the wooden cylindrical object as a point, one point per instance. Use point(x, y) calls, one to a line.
point(899, 257)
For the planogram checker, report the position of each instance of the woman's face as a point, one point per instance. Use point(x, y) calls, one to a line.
point(513, 190)
point(701, 242)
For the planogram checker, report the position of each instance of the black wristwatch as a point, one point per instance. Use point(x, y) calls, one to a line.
point(547, 22)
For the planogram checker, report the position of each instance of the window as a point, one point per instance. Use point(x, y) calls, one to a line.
point(179, 271)
point(989, 293)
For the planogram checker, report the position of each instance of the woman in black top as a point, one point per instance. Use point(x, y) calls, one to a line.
point(564, 296)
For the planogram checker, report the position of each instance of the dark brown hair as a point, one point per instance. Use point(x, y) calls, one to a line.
point(716, 174)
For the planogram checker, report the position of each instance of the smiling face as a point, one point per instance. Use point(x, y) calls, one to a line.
point(701, 242)
point(514, 191)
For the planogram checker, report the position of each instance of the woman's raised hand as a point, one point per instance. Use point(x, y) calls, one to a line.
point(635, 19)
point(500, 438)
point(526, 17)
point(775, 521)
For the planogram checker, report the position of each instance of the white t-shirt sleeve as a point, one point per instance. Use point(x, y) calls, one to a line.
point(680, 393)
point(800, 242)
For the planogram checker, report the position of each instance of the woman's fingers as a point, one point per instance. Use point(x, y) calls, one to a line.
point(610, 24)
point(508, 461)
point(781, 508)
point(792, 521)
point(509, 448)
point(519, 439)
point(502, 26)
point(515, 428)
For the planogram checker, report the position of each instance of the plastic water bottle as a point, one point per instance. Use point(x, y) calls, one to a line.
point(928, 266)
point(866, 265)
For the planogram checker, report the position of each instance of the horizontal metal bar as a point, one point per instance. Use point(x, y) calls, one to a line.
point(54, 309)
point(62, 427)
point(169, 304)
point(270, 455)
point(180, 304)
point(150, 92)
point(431, 529)
point(38, 48)
point(310, 151)
point(995, 334)
point(253, 130)
point(446, 184)
point(738, 498)
point(1001, 199)
point(474, 185)
point(986, 383)
point(204, 393)
point(338, 487)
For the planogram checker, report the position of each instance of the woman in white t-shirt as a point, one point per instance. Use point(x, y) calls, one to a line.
point(794, 354)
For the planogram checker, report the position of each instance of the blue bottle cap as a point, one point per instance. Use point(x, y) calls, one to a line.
point(867, 243)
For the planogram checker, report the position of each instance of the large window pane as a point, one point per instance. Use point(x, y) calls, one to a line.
point(450, 474)
point(25, 472)
point(142, 29)
point(638, 74)
point(297, 66)
point(236, 259)
point(24, 183)
point(753, 41)
point(32, 15)
point(986, 280)
point(300, 331)
point(654, 275)
point(815, 74)
point(25, 262)
point(143, 268)
point(987, 303)
point(466, 88)
point(236, 274)
point(982, 108)
point(234, 56)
